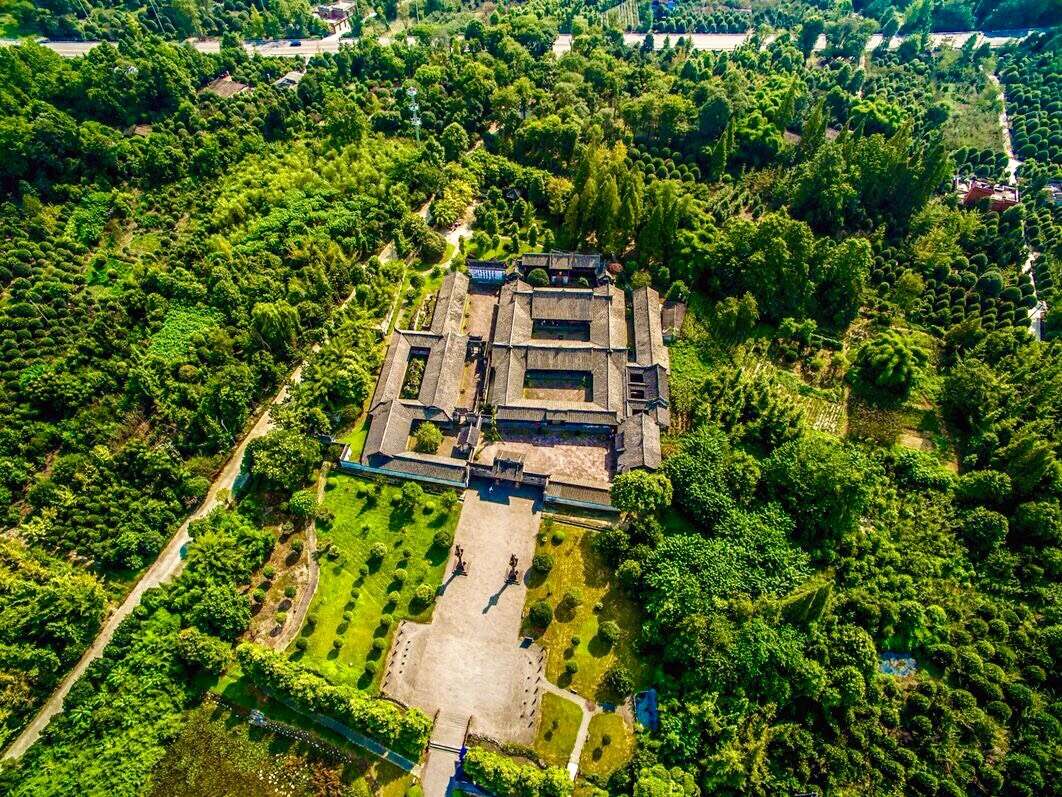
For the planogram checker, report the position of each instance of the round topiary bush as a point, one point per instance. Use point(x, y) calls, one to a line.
point(443, 538)
point(540, 615)
point(422, 595)
point(542, 563)
point(377, 552)
point(609, 631)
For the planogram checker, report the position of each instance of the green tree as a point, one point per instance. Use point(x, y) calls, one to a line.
point(810, 30)
point(889, 363)
point(821, 483)
point(344, 120)
point(282, 458)
point(223, 611)
point(410, 497)
point(641, 491)
point(428, 438)
point(454, 140)
point(277, 323)
point(303, 503)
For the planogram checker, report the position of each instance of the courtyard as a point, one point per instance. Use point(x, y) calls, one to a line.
point(580, 457)
point(468, 662)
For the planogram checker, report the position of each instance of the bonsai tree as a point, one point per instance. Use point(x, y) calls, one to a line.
point(889, 363)
point(428, 438)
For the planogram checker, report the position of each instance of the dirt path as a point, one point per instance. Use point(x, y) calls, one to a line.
point(297, 614)
point(169, 563)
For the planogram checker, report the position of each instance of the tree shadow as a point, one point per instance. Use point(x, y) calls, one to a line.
point(598, 646)
point(436, 555)
point(565, 613)
point(365, 681)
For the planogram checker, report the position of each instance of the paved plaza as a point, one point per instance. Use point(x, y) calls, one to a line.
point(583, 458)
point(468, 664)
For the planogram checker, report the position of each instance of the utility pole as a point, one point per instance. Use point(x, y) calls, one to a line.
point(414, 110)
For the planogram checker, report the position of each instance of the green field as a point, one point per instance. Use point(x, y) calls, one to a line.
point(557, 730)
point(603, 758)
point(218, 753)
point(352, 600)
point(578, 566)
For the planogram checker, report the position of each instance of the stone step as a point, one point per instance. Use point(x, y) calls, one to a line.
point(449, 731)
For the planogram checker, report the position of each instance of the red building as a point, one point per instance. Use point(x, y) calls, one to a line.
point(999, 196)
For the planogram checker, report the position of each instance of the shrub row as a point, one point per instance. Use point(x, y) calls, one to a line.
point(404, 731)
point(504, 776)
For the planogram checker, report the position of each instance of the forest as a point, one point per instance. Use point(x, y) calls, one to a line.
point(863, 468)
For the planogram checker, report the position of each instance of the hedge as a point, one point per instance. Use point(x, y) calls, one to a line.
point(404, 731)
point(504, 776)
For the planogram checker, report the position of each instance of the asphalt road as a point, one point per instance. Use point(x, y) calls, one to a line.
point(701, 41)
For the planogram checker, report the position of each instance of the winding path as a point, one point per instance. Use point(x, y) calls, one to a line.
point(584, 725)
point(1039, 310)
point(313, 569)
point(169, 563)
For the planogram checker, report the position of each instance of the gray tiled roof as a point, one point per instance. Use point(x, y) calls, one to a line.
point(638, 443)
point(579, 492)
point(426, 465)
point(649, 346)
point(604, 356)
point(560, 261)
point(449, 315)
point(388, 431)
point(393, 370)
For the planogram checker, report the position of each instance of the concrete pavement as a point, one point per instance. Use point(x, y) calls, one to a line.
point(563, 43)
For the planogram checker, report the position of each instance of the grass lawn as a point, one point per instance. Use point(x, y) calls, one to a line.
point(355, 436)
point(354, 595)
point(577, 566)
point(603, 759)
point(218, 753)
point(557, 731)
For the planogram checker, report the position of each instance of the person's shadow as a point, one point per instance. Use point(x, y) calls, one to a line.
point(493, 601)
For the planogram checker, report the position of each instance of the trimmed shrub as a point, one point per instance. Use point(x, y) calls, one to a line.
point(405, 731)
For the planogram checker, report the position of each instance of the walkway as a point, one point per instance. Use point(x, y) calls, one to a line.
point(588, 708)
point(169, 563)
point(1038, 310)
point(297, 614)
